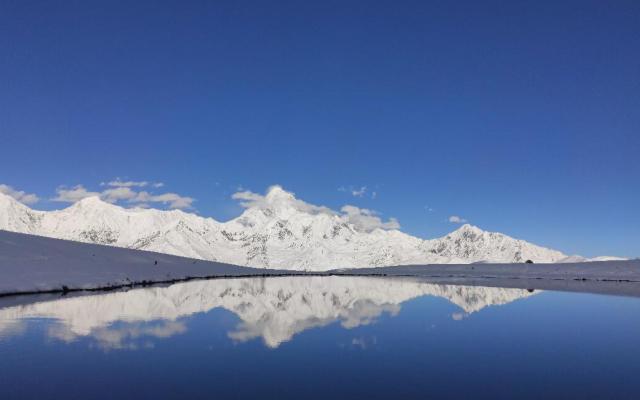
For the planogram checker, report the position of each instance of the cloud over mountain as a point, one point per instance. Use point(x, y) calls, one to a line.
point(362, 219)
point(119, 191)
point(454, 219)
point(20, 195)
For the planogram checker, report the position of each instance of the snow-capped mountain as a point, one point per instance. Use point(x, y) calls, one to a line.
point(279, 231)
point(274, 309)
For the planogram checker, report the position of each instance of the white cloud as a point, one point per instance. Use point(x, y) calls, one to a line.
point(367, 220)
point(356, 192)
point(19, 195)
point(119, 183)
point(362, 219)
point(71, 195)
point(457, 220)
point(175, 201)
point(249, 199)
point(359, 192)
point(118, 193)
point(125, 191)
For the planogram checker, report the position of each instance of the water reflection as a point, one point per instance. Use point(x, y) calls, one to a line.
point(274, 309)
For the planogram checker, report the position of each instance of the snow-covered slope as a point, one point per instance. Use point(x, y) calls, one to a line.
point(279, 232)
point(274, 309)
point(30, 263)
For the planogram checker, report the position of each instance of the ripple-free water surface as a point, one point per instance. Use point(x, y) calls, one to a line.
point(321, 337)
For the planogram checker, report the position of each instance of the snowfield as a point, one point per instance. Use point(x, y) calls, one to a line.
point(279, 231)
point(37, 264)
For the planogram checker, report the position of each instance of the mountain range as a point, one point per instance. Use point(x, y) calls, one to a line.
point(279, 231)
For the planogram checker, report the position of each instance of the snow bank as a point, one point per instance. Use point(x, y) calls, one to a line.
point(31, 263)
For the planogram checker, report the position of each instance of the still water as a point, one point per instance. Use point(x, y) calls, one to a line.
point(320, 337)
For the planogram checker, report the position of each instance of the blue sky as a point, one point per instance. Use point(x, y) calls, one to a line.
point(520, 117)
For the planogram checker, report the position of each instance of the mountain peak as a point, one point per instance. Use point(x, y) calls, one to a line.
point(469, 228)
point(92, 202)
point(276, 203)
point(276, 194)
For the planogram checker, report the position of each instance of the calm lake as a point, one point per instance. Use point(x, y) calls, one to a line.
point(320, 337)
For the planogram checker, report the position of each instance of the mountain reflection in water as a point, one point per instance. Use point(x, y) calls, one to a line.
point(274, 309)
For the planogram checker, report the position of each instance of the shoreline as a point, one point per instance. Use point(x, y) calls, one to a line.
point(36, 265)
point(582, 285)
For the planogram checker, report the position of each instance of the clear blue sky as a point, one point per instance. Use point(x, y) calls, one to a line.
point(521, 117)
